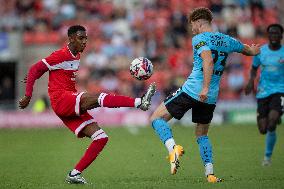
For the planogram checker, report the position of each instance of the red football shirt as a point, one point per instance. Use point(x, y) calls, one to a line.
point(62, 66)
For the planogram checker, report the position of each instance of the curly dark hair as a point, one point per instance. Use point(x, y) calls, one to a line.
point(200, 13)
point(73, 29)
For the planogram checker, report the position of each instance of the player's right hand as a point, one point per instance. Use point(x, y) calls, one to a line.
point(203, 96)
point(255, 48)
point(24, 102)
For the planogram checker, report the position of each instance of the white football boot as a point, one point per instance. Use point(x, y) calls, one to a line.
point(75, 179)
point(146, 98)
point(266, 161)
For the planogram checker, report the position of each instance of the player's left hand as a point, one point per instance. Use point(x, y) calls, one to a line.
point(203, 94)
point(24, 102)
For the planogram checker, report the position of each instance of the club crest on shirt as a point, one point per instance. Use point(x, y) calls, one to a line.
point(200, 44)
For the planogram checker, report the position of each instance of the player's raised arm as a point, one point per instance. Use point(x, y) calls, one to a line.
point(237, 46)
point(252, 50)
point(207, 65)
point(35, 72)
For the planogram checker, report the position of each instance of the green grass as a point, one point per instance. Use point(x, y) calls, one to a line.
point(41, 158)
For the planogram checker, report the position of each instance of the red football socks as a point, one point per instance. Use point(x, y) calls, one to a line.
point(115, 101)
point(91, 153)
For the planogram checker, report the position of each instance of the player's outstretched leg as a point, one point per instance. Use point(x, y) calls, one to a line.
point(116, 101)
point(164, 131)
point(205, 149)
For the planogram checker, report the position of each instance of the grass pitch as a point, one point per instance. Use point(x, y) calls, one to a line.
point(41, 158)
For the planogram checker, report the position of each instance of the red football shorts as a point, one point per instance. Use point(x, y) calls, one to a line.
point(67, 108)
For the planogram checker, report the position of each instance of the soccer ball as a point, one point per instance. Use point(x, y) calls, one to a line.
point(141, 68)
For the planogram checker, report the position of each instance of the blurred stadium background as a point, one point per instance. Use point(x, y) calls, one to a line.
point(119, 31)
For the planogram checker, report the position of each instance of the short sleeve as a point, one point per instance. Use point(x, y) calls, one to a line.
point(199, 44)
point(256, 61)
point(236, 45)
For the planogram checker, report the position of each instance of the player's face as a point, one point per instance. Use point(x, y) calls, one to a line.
point(274, 35)
point(79, 40)
point(195, 27)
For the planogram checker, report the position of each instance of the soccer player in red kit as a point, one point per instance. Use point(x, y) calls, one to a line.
point(69, 105)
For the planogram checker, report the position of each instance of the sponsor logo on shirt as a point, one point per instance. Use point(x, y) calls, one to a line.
point(200, 44)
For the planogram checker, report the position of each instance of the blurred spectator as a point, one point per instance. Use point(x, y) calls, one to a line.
point(109, 82)
point(7, 89)
point(7, 93)
point(41, 104)
point(96, 59)
point(236, 79)
point(216, 7)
